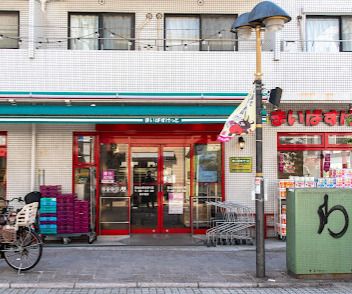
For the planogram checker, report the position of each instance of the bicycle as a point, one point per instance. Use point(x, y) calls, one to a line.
point(20, 245)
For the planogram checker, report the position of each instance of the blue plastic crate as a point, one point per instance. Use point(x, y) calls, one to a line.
point(48, 210)
point(43, 204)
point(48, 226)
point(48, 231)
point(48, 219)
point(47, 201)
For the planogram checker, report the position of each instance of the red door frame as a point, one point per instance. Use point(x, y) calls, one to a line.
point(172, 135)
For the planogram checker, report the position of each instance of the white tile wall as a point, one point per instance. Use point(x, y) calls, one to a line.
point(299, 74)
point(54, 155)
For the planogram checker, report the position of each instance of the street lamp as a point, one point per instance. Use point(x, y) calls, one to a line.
point(265, 15)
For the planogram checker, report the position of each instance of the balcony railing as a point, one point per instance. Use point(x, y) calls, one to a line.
point(321, 46)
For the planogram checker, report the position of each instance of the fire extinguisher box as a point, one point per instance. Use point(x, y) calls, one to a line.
point(319, 233)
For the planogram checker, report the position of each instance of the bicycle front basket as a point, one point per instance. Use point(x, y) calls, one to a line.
point(7, 234)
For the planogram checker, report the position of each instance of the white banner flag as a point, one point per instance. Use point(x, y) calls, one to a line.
point(241, 121)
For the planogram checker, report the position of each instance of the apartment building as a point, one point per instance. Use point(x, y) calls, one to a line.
point(121, 103)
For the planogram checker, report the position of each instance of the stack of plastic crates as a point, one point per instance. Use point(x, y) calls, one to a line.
point(48, 218)
point(234, 224)
point(65, 213)
point(81, 218)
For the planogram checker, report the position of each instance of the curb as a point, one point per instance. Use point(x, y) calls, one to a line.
point(229, 285)
point(42, 285)
point(167, 285)
point(104, 285)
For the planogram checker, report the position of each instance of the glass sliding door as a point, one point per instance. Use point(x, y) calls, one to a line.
point(176, 188)
point(144, 188)
point(155, 186)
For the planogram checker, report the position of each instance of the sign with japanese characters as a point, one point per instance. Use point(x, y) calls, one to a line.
point(162, 120)
point(108, 177)
point(240, 164)
point(311, 117)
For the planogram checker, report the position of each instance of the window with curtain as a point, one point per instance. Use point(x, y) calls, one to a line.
point(182, 33)
point(9, 29)
point(329, 34)
point(215, 30)
point(103, 31)
point(347, 33)
point(323, 34)
point(199, 32)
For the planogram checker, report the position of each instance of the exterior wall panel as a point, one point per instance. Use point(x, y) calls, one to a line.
point(54, 153)
point(301, 75)
point(18, 159)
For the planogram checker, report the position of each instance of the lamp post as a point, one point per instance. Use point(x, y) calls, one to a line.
point(265, 15)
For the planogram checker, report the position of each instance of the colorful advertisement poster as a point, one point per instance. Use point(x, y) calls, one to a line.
point(108, 177)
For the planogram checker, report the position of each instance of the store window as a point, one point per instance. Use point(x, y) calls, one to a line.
point(3, 163)
point(199, 32)
point(86, 149)
point(9, 29)
point(101, 31)
point(331, 157)
point(299, 163)
point(340, 139)
point(207, 182)
point(329, 33)
point(84, 171)
point(300, 140)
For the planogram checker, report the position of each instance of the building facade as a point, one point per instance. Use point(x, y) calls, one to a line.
point(121, 103)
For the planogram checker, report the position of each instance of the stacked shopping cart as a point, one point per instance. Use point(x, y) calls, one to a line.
point(234, 224)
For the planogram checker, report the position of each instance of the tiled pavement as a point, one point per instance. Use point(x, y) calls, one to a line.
point(159, 269)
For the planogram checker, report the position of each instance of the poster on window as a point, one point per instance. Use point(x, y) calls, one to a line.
point(108, 177)
point(208, 168)
point(176, 203)
point(290, 163)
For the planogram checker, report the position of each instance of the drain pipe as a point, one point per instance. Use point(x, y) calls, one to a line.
point(33, 156)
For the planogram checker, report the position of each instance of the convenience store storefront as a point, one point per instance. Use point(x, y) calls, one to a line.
point(145, 168)
point(313, 153)
point(314, 150)
point(150, 179)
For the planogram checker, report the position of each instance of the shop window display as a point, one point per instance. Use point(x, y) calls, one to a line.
point(311, 161)
point(332, 160)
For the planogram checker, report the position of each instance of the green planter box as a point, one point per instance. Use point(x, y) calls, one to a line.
point(312, 247)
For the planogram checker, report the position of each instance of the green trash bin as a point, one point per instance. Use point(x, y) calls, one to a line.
point(319, 232)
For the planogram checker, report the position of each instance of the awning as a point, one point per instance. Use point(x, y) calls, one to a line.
point(139, 114)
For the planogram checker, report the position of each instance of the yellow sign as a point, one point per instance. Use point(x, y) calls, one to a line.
point(240, 164)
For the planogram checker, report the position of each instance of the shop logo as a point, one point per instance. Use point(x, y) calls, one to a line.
point(324, 213)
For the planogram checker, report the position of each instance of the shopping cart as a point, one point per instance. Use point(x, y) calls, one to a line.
point(234, 224)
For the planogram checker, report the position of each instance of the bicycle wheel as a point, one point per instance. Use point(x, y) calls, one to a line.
point(25, 252)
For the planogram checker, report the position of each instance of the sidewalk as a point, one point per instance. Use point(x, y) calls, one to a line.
point(154, 266)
